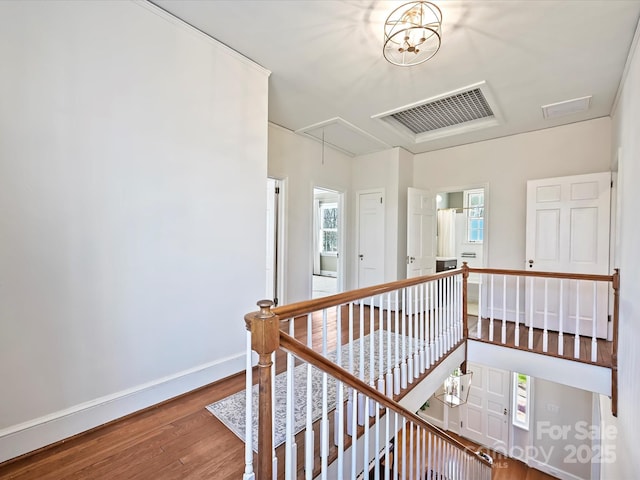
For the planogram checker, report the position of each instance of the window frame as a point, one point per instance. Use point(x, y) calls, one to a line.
point(321, 229)
point(523, 424)
point(469, 215)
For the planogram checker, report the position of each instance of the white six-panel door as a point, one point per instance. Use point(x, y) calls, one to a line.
point(370, 206)
point(485, 416)
point(421, 233)
point(568, 231)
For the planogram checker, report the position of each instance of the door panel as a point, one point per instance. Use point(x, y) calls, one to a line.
point(370, 239)
point(421, 233)
point(568, 231)
point(486, 413)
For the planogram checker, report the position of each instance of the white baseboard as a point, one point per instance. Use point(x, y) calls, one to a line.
point(556, 472)
point(40, 432)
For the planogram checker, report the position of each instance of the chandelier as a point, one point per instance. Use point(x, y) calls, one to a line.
point(456, 388)
point(412, 33)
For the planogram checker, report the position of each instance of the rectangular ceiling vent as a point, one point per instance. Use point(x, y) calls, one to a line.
point(449, 111)
point(453, 113)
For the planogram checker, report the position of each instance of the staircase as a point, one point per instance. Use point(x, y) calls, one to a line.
point(335, 378)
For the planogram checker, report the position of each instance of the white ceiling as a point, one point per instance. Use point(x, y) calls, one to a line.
point(328, 70)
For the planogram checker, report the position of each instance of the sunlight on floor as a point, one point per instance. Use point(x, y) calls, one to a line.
point(323, 286)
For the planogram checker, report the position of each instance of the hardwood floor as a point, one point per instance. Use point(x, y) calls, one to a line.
point(178, 439)
point(507, 468)
point(604, 348)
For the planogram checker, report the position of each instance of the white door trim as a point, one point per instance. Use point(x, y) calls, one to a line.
point(356, 259)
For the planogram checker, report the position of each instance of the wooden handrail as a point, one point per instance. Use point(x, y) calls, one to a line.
point(293, 310)
point(614, 356)
point(297, 309)
point(530, 273)
point(304, 353)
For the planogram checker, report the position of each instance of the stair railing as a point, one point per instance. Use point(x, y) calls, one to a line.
point(387, 337)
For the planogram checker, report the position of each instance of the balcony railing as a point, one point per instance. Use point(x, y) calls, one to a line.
point(331, 370)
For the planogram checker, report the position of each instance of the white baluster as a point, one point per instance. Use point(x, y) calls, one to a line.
point(427, 320)
point(274, 459)
point(480, 278)
point(561, 320)
point(354, 428)
point(423, 362)
point(376, 428)
point(451, 305)
point(594, 341)
point(492, 295)
point(459, 306)
point(432, 323)
point(530, 342)
point(504, 309)
point(441, 324)
point(309, 438)
point(412, 463)
point(396, 370)
point(416, 328)
point(516, 338)
point(365, 449)
point(403, 365)
point(429, 454)
point(248, 398)
point(290, 452)
point(389, 386)
point(381, 380)
point(372, 348)
point(446, 304)
point(545, 332)
point(360, 397)
point(576, 339)
point(324, 422)
point(350, 429)
point(410, 338)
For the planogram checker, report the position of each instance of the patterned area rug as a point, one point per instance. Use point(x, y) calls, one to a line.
point(231, 410)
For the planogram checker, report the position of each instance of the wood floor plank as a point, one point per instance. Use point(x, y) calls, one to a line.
point(604, 348)
point(179, 439)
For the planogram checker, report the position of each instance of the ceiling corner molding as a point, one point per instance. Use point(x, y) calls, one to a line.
point(625, 71)
point(180, 23)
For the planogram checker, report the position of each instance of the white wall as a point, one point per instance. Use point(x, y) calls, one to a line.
point(132, 213)
point(298, 159)
point(626, 144)
point(561, 417)
point(506, 164)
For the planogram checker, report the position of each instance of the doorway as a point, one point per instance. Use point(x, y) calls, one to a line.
point(274, 278)
point(462, 233)
point(327, 238)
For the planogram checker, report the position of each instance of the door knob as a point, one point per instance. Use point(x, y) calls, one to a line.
point(505, 411)
point(530, 263)
point(361, 257)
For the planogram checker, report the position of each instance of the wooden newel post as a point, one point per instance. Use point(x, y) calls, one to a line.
point(265, 339)
point(614, 356)
point(465, 321)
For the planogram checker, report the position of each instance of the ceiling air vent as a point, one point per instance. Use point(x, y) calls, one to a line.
point(453, 113)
